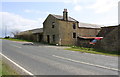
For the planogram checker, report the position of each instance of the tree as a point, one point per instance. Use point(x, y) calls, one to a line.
point(15, 32)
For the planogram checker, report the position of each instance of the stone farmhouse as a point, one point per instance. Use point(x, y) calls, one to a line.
point(65, 30)
point(62, 30)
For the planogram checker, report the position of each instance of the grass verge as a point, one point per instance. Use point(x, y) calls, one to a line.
point(13, 39)
point(93, 51)
point(6, 70)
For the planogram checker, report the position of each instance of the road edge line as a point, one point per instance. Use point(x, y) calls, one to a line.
point(23, 69)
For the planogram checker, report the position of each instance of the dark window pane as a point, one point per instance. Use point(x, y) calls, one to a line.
point(53, 38)
point(74, 26)
point(53, 24)
point(74, 35)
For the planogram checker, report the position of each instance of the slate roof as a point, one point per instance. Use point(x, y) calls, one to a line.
point(61, 17)
point(87, 25)
point(81, 24)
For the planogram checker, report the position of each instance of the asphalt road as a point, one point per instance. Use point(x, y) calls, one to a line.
point(53, 60)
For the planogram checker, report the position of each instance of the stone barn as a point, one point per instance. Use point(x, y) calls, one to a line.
point(31, 35)
point(111, 39)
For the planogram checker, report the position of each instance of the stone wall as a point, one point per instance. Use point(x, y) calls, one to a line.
point(105, 30)
point(110, 41)
point(88, 32)
point(48, 30)
point(66, 32)
point(84, 42)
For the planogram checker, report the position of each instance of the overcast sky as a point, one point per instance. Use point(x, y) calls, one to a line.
point(21, 15)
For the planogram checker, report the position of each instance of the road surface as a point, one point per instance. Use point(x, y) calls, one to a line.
point(53, 60)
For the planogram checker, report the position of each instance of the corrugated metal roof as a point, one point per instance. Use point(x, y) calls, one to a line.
point(61, 17)
point(87, 25)
point(86, 37)
point(38, 30)
point(34, 31)
point(89, 37)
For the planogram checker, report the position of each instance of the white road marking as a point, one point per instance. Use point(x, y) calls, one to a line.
point(17, 64)
point(16, 46)
point(100, 66)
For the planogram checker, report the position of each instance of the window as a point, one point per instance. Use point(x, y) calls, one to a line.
point(74, 35)
point(53, 24)
point(74, 26)
point(53, 38)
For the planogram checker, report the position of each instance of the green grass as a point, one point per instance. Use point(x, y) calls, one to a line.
point(6, 70)
point(93, 51)
point(0, 68)
point(13, 39)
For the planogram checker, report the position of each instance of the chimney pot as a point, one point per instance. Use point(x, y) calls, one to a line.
point(65, 15)
point(65, 10)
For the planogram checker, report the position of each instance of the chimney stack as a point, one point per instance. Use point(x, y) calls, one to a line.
point(65, 15)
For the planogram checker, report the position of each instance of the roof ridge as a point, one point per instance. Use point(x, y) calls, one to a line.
point(61, 17)
point(90, 24)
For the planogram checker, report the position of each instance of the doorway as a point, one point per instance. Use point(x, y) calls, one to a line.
point(48, 39)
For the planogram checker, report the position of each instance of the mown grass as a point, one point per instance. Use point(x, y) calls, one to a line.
point(93, 51)
point(0, 68)
point(6, 70)
point(13, 39)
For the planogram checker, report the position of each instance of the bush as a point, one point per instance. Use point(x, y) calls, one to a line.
point(7, 37)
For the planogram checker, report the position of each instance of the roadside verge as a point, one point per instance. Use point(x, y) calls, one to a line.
point(20, 70)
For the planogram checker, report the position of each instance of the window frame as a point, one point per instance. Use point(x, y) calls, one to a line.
point(74, 26)
point(53, 24)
